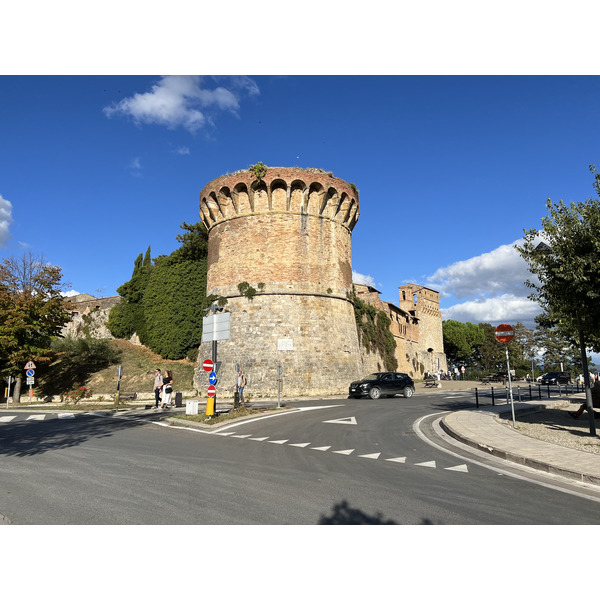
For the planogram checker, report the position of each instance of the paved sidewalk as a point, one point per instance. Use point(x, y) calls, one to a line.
point(483, 430)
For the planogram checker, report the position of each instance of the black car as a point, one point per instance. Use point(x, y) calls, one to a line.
point(382, 384)
point(554, 377)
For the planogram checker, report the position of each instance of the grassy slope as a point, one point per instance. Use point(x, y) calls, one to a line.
point(139, 364)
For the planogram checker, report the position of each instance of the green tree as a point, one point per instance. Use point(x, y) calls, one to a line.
point(565, 258)
point(461, 341)
point(32, 312)
point(163, 302)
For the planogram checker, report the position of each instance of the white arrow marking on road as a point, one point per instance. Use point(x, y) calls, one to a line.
point(322, 448)
point(431, 464)
point(344, 451)
point(66, 416)
point(36, 418)
point(344, 421)
point(374, 456)
point(400, 459)
point(246, 435)
point(7, 419)
point(462, 468)
point(303, 445)
point(259, 439)
point(277, 441)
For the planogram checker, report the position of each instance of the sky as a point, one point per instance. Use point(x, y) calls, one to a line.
point(450, 169)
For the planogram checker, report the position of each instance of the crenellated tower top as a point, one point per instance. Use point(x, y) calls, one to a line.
point(254, 191)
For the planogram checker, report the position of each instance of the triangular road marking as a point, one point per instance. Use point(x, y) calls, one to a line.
point(243, 436)
point(400, 459)
point(226, 433)
point(66, 416)
point(343, 451)
point(374, 456)
point(461, 468)
point(431, 464)
point(260, 439)
point(344, 421)
point(301, 445)
point(322, 448)
point(277, 441)
point(36, 418)
point(7, 419)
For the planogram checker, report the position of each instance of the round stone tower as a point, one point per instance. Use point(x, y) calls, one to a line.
point(279, 251)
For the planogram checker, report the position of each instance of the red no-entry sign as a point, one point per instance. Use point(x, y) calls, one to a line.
point(212, 390)
point(504, 333)
point(208, 365)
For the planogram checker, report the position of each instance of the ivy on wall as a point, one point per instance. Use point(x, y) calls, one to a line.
point(374, 332)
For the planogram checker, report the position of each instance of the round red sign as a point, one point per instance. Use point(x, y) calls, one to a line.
point(212, 390)
point(208, 365)
point(504, 333)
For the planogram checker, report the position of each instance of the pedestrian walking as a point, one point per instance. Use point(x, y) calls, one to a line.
point(158, 384)
point(167, 390)
point(241, 384)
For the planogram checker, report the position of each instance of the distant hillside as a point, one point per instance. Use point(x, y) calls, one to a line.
point(138, 362)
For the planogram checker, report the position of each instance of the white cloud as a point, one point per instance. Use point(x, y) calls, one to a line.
point(506, 308)
point(135, 166)
point(182, 101)
point(5, 220)
point(501, 271)
point(363, 279)
point(182, 150)
point(70, 293)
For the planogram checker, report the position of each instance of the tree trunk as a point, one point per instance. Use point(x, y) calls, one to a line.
point(586, 379)
point(17, 391)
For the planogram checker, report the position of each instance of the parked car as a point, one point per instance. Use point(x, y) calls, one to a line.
point(554, 377)
point(382, 384)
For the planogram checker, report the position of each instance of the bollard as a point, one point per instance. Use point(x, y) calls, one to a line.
point(530, 392)
point(476, 398)
point(492, 388)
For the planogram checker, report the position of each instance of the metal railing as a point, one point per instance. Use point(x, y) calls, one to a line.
point(527, 393)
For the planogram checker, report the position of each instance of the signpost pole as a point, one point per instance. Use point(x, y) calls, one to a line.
point(8, 390)
point(504, 334)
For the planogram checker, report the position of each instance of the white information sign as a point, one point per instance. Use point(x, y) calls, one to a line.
point(285, 344)
point(216, 327)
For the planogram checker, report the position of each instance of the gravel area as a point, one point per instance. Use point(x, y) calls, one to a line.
point(555, 425)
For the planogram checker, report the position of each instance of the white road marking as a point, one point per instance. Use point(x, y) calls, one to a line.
point(322, 448)
point(36, 418)
point(246, 435)
point(347, 452)
point(430, 464)
point(399, 459)
point(305, 408)
point(66, 416)
point(277, 441)
point(226, 433)
point(344, 421)
point(303, 445)
point(374, 456)
point(461, 468)
point(259, 439)
point(7, 418)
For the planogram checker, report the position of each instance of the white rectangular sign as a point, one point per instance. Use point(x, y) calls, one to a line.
point(285, 344)
point(216, 327)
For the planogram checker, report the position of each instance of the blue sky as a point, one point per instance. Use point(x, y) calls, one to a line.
point(450, 169)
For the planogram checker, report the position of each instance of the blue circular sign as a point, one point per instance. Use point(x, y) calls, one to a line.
point(30, 373)
point(212, 378)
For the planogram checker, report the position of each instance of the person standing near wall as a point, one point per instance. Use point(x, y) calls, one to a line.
point(241, 384)
point(167, 389)
point(158, 383)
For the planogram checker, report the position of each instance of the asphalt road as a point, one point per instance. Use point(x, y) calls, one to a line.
point(341, 462)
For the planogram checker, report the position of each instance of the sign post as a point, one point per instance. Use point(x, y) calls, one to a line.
point(504, 334)
point(30, 372)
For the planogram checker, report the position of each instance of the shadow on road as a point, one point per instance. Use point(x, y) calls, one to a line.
point(343, 514)
point(28, 438)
